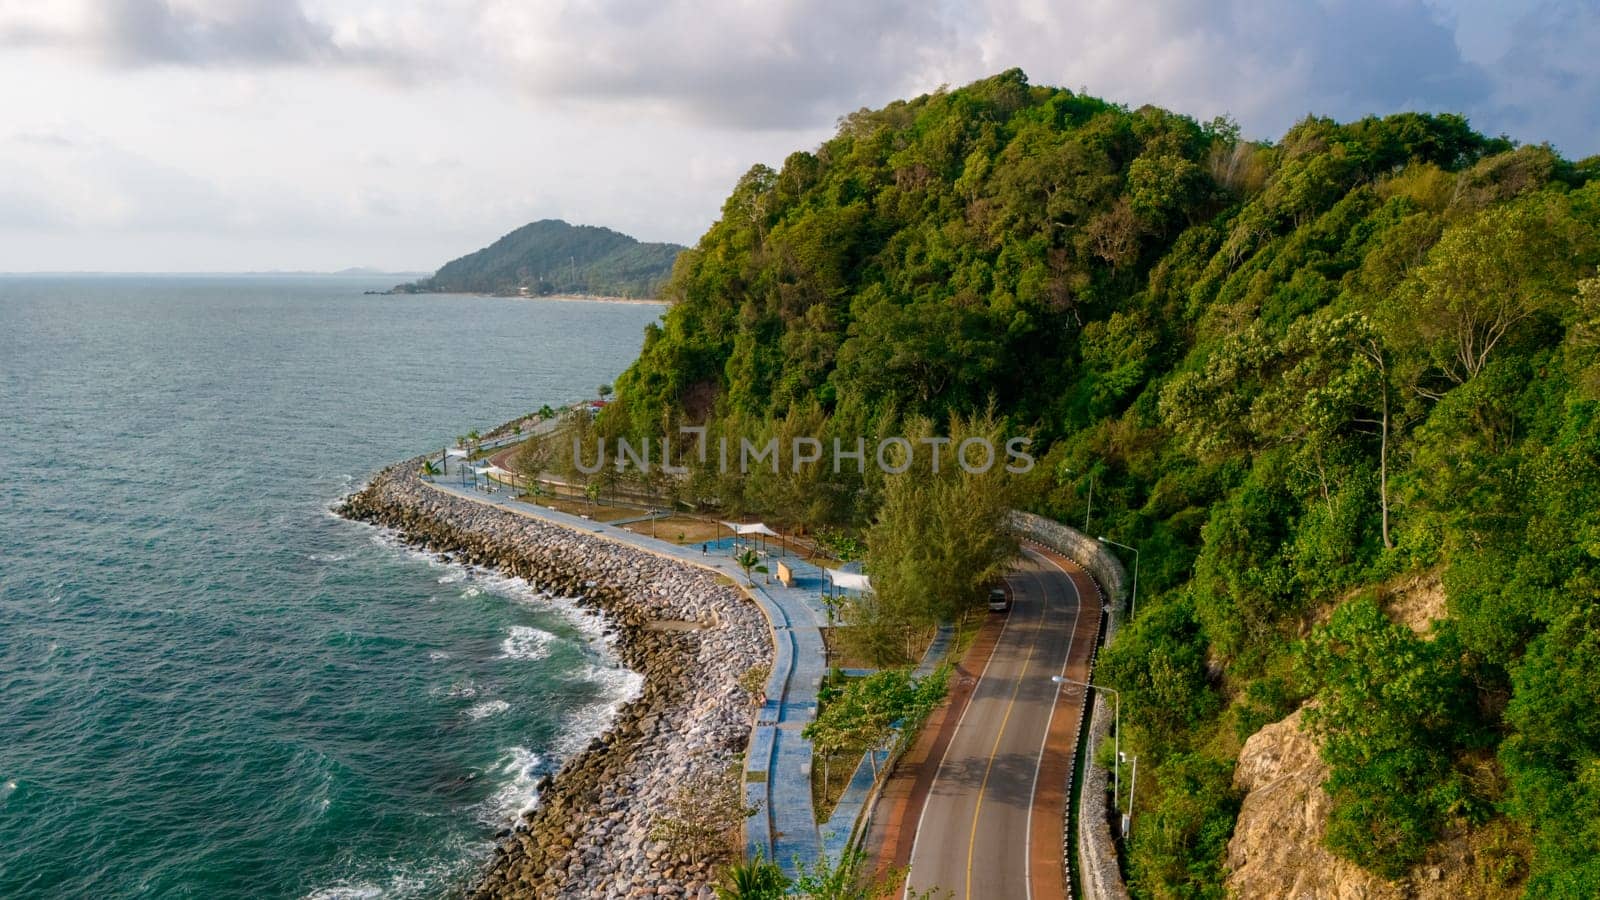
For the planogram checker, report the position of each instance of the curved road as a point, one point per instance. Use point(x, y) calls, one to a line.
point(991, 824)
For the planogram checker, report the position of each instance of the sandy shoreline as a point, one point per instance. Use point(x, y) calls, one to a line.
point(560, 298)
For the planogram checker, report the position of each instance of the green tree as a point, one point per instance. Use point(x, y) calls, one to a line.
point(749, 561)
point(1487, 276)
point(1552, 756)
point(705, 809)
point(941, 533)
point(1392, 711)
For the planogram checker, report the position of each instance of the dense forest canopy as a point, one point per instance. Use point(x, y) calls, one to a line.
point(552, 257)
point(1295, 372)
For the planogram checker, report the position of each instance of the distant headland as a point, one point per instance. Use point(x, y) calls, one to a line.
point(552, 258)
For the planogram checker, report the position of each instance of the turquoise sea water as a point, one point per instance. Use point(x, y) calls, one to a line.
point(210, 686)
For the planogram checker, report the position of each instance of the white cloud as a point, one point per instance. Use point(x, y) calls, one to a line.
point(404, 133)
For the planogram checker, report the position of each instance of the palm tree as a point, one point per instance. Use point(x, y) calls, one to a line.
point(748, 560)
point(753, 880)
point(429, 467)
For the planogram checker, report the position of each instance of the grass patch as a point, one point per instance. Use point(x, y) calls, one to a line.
point(681, 529)
point(841, 655)
point(829, 781)
point(596, 512)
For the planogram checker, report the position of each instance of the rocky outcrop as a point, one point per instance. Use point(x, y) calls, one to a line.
point(589, 836)
point(1276, 852)
point(1416, 601)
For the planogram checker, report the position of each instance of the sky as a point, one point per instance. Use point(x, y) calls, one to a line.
point(249, 135)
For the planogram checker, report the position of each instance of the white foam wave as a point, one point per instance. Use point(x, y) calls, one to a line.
point(526, 643)
point(620, 687)
point(437, 655)
point(519, 794)
point(488, 708)
point(327, 557)
point(465, 689)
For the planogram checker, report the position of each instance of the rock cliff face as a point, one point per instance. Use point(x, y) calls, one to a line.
point(590, 834)
point(1276, 852)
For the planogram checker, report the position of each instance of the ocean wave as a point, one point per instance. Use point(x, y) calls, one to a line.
point(465, 689)
point(407, 882)
point(620, 687)
point(488, 708)
point(526, 643)
point(521, 767)
point(437, 655)
point(519, 794)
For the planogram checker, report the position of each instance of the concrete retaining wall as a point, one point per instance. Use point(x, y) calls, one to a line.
point(1097, 855)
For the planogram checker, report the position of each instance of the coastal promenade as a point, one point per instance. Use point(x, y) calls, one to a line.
point(778, 761)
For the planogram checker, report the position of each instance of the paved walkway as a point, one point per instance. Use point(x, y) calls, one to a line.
point(778, 762)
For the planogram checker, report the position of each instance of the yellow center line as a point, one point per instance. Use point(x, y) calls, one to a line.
point(972, 840)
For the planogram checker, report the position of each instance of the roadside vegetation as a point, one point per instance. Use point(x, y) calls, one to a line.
point(878, 712)
point(1293, 371)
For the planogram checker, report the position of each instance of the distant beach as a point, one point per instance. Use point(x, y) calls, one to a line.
point(565, 298)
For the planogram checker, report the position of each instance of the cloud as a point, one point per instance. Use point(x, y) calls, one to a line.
point(725, 62)
point(794, 65)
point(1267, 64)
point(402, 132)
point(791, 64)
point(209, 33)
point(1547, 80)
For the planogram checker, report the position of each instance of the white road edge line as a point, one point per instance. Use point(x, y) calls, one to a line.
point(1072, 636)
point(911, 860)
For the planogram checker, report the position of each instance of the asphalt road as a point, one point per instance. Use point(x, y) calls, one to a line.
point(992, 821)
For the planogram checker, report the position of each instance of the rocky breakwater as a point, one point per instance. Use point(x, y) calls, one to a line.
point(689, 634)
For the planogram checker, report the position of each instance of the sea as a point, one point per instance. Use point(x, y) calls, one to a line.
point(210, 685)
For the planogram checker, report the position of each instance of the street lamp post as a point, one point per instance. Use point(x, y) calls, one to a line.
point(1089, 508)
point(1116, 727)
point(1135, 604)
point(1133, 784)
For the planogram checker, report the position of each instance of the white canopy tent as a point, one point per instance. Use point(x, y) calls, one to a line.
point(753, 528)
point(758, 530)
point(850, 581)
point(457, 452)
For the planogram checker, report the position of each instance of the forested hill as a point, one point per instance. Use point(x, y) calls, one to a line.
point(1298, 373)
point(552, 257)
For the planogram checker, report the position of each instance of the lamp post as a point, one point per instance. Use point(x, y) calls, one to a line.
point(1133, 784)
point(1135, 604)
point(1090, 507)
point(1116, 727)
